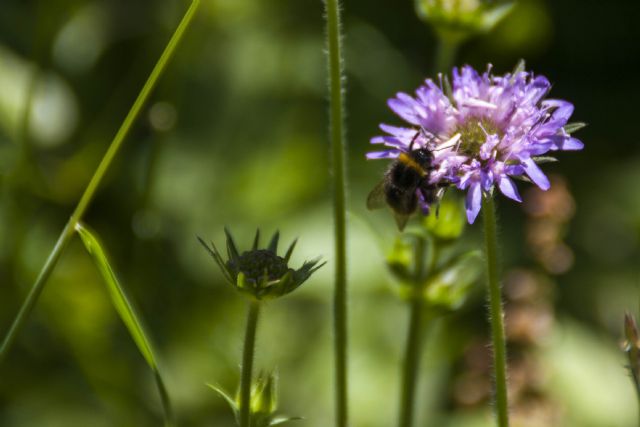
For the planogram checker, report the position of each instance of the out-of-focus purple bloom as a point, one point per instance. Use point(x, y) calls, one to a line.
point(488, 130)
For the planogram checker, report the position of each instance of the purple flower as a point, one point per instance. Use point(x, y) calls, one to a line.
point(488, 130)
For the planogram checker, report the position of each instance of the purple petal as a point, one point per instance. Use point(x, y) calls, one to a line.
point(389, 154)
point(536, 174)
point(424, 206)
point(403, 110)
point(563, 109)
point(391, 141)
point(509, 189)
point(571, 144)
point(400, 132)
point(474, 201)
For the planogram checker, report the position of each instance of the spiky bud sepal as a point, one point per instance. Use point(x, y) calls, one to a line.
point(261, 273)
point(263, 403)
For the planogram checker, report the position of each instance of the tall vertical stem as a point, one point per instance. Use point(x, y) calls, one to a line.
point(339, 208)
point(445, 54)
point(411, 362)
point(248, 353)
point(496, 313)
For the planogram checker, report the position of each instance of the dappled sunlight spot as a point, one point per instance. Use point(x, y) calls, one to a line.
point(15, 76)
point(82, 39)
point(557, 259)
point(537, 412)
point(146, 223)
point(556, 202)
point(53, 110)
point(471, 389)
point(531, 324)
point(163, 116)
point(54, 113)
point(549, 215)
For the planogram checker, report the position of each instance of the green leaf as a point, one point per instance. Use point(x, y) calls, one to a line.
point(572, 127)
point(273, 244)
point(125, 310)
point(287, 257)
point(117, 294)
point(544, 159)
point(449, 288)
point(232, 250)
point(226, 396)
point(490, 18)
point(283, 419)
point(256, 240)
point(215, 254)
point(523, 178)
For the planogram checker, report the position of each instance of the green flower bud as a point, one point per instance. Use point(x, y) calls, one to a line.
point(457, 20)
point(264, 402)
point(261, 273)
point(447, 222)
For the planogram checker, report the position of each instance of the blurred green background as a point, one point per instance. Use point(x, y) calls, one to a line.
point(236, 135)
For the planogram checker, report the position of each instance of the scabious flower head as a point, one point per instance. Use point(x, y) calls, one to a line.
point(261, 273)
point(483, 131)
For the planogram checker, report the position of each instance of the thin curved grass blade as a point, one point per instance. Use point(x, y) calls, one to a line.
point(85, 200)
point(125, 309)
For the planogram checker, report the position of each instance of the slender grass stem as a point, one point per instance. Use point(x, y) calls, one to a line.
point(445, 54)
point(248, 354)
point(415, 333)
point(169, 420)
point(496, 313)
point(339, 205)
point(92, 187)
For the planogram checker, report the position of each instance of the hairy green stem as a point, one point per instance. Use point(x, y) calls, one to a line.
point(339, 208)
point(445, 54)
point(92, 187)
point(411, 365)
point(248, 354)
point(496, 313)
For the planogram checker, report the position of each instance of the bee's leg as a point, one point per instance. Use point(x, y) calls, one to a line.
point(413, 140)
point(425, 200)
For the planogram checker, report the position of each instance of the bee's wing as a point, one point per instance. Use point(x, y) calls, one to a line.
point(401, 220)
point(377, 198)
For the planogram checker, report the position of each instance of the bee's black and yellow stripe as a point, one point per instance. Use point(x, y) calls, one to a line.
point(409, 162)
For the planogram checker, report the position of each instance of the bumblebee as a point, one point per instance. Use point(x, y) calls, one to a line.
point(405, 181)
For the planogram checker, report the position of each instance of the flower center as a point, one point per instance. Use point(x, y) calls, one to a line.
point(254, 264)
point(473, 133)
